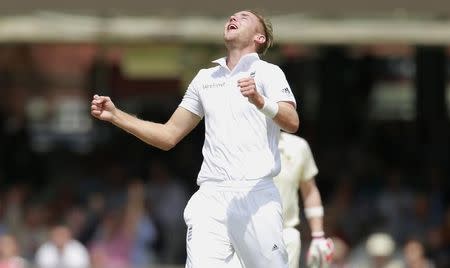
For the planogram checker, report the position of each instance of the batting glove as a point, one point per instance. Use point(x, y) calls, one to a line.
point(320, 253)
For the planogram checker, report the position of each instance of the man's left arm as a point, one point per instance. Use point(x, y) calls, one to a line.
point(321, 248)
point(287, 117)
point(312, 203)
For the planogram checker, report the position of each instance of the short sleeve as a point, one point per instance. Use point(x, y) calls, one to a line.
point(276, 86)
point(191, 100)
point(309, 166)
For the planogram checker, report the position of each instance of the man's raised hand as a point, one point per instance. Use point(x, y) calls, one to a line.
point(102, 108)
point(248, 89)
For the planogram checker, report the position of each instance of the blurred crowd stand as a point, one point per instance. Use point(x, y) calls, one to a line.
point(100, 195)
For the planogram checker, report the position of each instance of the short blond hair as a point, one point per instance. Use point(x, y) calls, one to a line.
point(268, 31)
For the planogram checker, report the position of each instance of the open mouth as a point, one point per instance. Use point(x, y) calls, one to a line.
point(232, 26)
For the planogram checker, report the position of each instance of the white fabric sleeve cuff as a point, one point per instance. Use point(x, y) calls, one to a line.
point(270, 108)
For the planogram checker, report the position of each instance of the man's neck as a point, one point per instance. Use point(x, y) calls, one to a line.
point(234, 55)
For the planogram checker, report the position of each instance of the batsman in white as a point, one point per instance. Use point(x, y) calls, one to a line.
point(245, 101)
point(298, 170)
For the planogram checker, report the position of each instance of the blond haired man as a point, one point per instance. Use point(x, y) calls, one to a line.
point(244, 101)
point(298, 171)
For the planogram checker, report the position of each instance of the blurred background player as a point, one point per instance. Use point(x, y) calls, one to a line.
point(245, 101)
point(298, 170)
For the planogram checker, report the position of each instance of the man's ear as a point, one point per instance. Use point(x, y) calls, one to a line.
point(260, 39)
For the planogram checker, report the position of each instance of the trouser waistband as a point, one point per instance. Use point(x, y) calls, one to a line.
point(239, 185)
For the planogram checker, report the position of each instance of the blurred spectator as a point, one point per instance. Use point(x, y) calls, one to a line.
point(13, 208)
point(395, 204)
point(9, 253)
point(145, 232)
point(125, 236)
point(414, 255)
point(111, 245)
point(25, 220)
point(62, 251)
point(94, 213)
point(377, 252)
point(419, 221)
point(33, 231)
point(341, 208)
point(381, 248)
point(168, 197)
point(76, 219)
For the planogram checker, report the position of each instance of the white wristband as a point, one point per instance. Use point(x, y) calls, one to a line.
point(318, 234)
point(314, 212)
point(270, 108)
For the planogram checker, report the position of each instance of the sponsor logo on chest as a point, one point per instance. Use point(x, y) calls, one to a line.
point(214, 85)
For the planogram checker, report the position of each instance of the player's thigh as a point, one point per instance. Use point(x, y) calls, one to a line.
point(205, 250)
point(291, 237)
point(255, 226)
point(207, 242)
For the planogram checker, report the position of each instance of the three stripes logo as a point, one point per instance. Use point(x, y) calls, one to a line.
point(189, 233)
point(275, 247)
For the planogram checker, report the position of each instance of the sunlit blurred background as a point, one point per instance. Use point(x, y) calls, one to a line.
point(372, 82)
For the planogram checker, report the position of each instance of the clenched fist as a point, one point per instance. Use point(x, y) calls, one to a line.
point(103, 108)
point(248, 89)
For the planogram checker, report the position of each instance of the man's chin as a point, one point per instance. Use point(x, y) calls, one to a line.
point(229, 37)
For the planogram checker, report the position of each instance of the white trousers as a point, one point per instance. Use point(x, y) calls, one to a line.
point(291, 237)
point(224, 219)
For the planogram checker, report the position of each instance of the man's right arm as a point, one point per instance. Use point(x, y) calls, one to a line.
point(163, 136)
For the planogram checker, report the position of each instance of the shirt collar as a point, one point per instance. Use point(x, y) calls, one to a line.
point(246, 59)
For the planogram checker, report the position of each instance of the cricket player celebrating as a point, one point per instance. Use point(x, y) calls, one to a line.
point(244, 101)
point(298, 171)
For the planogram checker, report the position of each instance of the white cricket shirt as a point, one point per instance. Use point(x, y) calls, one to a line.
point(240, 141)
point(297, 164)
